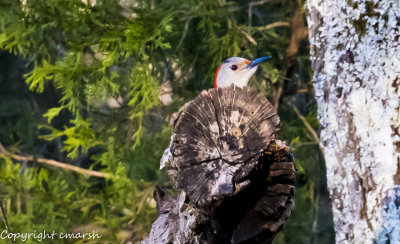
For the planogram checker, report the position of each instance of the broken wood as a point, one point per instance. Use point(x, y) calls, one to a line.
point(233, 175)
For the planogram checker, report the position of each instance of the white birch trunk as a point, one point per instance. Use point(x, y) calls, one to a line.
point(355, 56)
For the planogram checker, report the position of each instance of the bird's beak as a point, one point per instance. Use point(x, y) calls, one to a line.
point(256, 62)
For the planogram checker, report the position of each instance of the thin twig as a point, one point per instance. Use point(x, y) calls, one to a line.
point(277, 24)
point(259, 2)
point(315, 217)
point(185, 30)
point(54, 163)
point(5, 219)
point(304, 144)
point(305, 122)
point(249, 38)
point(250, 11)
point(272, 25)
point(278, 93)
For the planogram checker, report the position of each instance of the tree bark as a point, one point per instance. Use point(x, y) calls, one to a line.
point(355, 56)
point(234, 177)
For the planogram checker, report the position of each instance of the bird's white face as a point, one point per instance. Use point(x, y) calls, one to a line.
point(234, 70)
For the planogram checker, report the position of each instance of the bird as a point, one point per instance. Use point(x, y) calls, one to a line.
point(237, 71)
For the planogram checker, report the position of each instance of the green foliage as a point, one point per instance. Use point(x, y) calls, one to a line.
point(64, 202)
point(311, 221)
point(93, 71)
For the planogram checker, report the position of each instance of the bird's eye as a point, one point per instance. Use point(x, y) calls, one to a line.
point(233, 67)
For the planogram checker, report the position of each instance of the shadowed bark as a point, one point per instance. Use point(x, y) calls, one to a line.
point(234, 177)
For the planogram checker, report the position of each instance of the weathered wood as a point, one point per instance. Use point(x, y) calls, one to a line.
point(234, 177)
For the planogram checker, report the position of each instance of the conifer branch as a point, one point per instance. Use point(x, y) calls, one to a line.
point(54, 163)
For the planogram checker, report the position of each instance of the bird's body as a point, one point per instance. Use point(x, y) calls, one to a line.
point(236, 71)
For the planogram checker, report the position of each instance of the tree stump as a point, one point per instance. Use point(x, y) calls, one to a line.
point(234, 177)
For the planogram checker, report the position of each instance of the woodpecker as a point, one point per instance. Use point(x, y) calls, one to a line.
point(236, 70)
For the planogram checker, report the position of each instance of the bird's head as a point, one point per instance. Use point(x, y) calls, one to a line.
point(236, 71)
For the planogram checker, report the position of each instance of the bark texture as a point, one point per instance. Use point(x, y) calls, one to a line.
point(355, 56)
point(234, 177)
